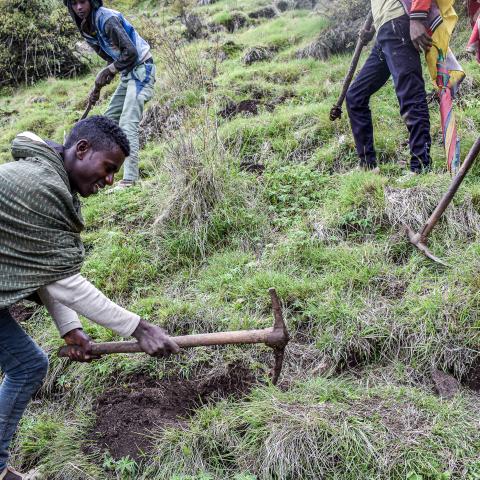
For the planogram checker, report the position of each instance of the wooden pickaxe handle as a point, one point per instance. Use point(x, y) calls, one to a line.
point(419, 239)
point(266, 335)
point(96, 90)
point(336, 111)
point(452, 189)
point(275, 337)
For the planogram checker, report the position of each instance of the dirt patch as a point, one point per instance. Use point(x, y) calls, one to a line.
point(194, 27)
point(445, 385)
point(235, 22)
point(158, 120)
point(472, 379)
point(258, 54)
point(266, 12)
point(247, 107)
point(22, 312)
point(127, 416)
point(252, 167)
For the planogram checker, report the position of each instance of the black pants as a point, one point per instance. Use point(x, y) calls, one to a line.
point(393, 54)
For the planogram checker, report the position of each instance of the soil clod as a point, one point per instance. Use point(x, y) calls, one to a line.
point(472, 379)
point(265, 12)
point(248, 107)
point(22, 312)
point(258, 54)
point(445, 385)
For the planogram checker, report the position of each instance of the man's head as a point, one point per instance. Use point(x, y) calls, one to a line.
point(82, 8)
point(94, 151)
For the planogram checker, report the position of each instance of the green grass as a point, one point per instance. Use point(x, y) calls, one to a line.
point(196, 246)
point(322, 427)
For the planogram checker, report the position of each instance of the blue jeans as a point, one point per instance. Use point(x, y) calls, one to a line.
point(393, 54)
point(24, 366)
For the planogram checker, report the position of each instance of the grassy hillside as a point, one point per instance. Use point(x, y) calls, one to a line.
point(248, 185)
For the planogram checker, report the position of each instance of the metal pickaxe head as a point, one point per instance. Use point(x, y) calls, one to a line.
point(279, 337)
point(420, 241)
point(335, 112)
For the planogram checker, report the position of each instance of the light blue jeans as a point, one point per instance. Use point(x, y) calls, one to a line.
point(24, 366)
point(126, 108)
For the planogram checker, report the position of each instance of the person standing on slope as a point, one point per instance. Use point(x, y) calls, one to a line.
point(116, 41)
point(41, 254)
point(404, 29)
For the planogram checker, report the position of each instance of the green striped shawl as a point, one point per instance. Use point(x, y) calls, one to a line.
point(40, 221)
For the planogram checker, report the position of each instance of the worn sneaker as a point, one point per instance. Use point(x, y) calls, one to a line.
point(407, 176)
point(121, 185)
point(11, 474)
point(364, 168)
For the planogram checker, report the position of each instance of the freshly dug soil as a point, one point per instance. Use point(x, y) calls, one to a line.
point(22, 312)
point(248, 107)
point(446, 385)
point(126, 416)
point(265, 12)
point(472, 380)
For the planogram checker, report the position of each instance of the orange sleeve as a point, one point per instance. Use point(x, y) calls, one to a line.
point(420, 9)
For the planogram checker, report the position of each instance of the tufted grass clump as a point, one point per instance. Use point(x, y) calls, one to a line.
point(322, 427)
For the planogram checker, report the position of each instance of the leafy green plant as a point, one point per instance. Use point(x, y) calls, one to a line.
point(37, 39)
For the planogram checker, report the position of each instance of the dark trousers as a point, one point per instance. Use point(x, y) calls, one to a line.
point(393, 54)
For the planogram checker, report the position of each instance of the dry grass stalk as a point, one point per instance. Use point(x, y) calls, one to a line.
point(182, 67)
point(194, 162)
point(160, 119)
point(346, 20)
point(413, 206)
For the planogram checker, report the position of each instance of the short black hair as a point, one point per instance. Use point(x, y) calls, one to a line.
point(102, 133)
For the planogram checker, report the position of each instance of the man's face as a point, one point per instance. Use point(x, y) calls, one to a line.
point(92, 169)
point(81, 8)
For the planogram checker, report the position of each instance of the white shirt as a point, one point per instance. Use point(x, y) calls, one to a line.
point(74, 295)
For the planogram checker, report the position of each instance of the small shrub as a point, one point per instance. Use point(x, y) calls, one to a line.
point(37, 39)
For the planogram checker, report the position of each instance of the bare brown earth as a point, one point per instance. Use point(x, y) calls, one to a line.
point(473, 377)
point(22, 312)
point(127, 415)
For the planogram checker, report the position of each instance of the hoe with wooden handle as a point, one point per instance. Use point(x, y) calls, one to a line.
point(419, 239)
point(275, 337)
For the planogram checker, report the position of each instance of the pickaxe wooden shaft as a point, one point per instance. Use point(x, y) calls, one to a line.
point(420, 239)
point(275, 337)
point(266, 336)
point(90, 105)
point(336, 111)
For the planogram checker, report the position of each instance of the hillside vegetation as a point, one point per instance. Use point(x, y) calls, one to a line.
point(247, 184)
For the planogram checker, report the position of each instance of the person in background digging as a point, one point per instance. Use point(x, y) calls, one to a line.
point(117, 42)
point(41, 254)
point(403, 31)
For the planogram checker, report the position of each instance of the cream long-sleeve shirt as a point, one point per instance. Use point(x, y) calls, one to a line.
point(74, 295)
